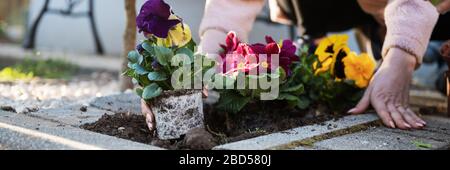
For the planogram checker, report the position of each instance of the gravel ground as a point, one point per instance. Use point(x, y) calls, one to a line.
point(24, 97)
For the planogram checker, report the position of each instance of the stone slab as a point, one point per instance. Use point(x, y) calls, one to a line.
point(71, 115)
point(380, 139)
point(18, 131)
point(436, 133)
point(288, 139)
point(119, 103)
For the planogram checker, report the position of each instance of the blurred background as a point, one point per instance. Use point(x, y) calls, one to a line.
point(64, 33)
point(73, 56)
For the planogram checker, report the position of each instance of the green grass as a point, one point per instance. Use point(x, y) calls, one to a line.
point(2, 29)
point(12, 74)
point(47, 69)
point(422, 145)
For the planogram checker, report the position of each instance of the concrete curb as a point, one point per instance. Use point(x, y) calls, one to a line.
point(294, 138)
point(23, 132)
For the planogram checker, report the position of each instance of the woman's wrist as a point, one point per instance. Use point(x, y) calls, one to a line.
point(210, 41)
point(212, 29)
point(400, 58)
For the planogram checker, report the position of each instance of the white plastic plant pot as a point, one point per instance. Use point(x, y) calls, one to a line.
point(177, 112)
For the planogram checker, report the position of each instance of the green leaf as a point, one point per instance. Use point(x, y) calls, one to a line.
point(289, 97)
point(139, 91)
point(303, 103)
point(133, 56)
point(163, 55)
point(157, 76)
point(181, 59)
point(186, 51)
point(423, 145)
point(300, 88)
point(128, 72)
point(232, 102)
point(139, 69)
point(227, 82)
point(151, 91)
point(191, 45)
point(281, 72)
point(147, 47)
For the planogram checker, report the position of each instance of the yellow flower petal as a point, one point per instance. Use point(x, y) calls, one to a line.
point(180, 35)
point(328, 49)
point(359, 68)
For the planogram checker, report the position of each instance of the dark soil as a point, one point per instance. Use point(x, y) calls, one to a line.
point(127, 126)
point(254, 120)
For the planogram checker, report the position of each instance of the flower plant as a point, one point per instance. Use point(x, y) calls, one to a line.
point(168, 47)
point(333, 76)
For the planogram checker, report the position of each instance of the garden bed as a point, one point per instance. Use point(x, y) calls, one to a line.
point(221, 128)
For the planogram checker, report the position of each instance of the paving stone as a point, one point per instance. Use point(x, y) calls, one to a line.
point(424, 133)
point(19, 141)
point(287, 139)
point(438, 124)
point(75, 115)
point(120, 103)
point(18, 131)
point(436, 133)
point(379, 139)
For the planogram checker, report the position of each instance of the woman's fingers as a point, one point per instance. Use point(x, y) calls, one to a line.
point(417, 118)
point(416, 124)
point(149, 116)
point(398, 117)
point(382, 111)
point(363, 104)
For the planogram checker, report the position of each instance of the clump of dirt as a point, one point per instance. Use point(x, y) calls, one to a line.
point(199, 139)
point(254, 120)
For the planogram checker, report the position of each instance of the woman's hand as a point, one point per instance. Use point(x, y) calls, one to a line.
point(443, 7)
point(149, 116)
point(388, 92)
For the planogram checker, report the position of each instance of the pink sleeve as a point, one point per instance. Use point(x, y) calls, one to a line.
point(409, 26)
point(222, 16)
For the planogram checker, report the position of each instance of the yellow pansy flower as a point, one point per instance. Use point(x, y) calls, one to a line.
point(337, 68)
point(359, 68)
point(328, 49)
point(178, 36)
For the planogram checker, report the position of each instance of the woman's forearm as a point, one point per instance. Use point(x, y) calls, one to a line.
point(222, 16)
point(410, 24)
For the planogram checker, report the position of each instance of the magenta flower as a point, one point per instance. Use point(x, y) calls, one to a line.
point(231, 43)
point(286, 55)
point(243, 59)
point(154, 18)
point(236, 53)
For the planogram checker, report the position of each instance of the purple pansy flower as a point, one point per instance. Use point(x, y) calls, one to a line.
point(154, 18)
point(140, 49)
